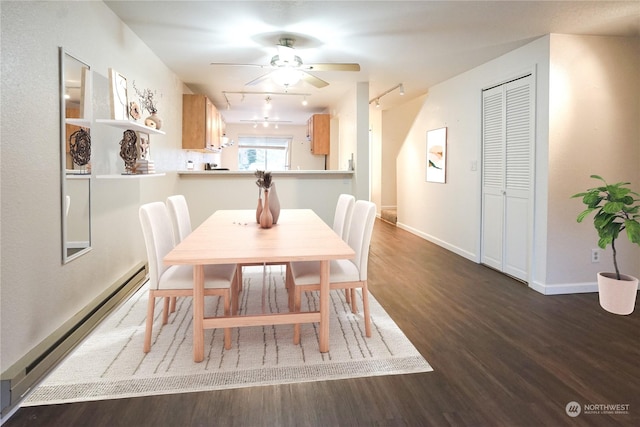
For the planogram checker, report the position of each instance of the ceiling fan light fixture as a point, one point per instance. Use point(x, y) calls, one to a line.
point(286, 76)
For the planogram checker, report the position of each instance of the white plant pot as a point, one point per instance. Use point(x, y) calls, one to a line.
point(617, 296)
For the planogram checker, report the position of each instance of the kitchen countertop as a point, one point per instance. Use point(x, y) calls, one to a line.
point(291, 173)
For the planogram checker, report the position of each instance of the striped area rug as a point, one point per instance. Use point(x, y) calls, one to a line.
point(110, 363)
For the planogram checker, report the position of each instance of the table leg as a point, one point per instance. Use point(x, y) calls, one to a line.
point(324, 306)
point(198, 313)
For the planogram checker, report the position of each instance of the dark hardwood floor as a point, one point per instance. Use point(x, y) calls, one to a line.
point(502, 354)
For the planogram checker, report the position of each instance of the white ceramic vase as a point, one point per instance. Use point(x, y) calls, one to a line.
point(617, 296)
point(274, 203)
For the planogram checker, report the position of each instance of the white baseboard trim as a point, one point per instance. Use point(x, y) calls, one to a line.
point(384, 208)
point(545, 289)
point(463, 253)
point(564, 288)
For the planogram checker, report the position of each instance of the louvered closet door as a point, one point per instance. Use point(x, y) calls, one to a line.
point(507, 176)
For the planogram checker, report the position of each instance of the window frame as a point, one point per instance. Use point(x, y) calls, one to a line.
point(288, 139)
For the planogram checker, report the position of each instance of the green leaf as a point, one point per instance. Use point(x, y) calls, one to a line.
point(602, 219)
point(613, 207)
point(584, 213)
point(604, 241)
point(633, 231)
point(617, 193)
point(592, 199)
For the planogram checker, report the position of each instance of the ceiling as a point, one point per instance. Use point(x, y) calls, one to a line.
point(416, 43)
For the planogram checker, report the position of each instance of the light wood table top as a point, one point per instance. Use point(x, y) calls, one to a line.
point(234, 237)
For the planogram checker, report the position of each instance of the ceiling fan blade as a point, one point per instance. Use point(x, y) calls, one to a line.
point(226, 64)
point(313, 80)
point(258, 80)
point(332, 67)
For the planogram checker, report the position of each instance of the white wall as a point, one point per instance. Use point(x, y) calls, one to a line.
point(449, 214)
point(206, 194)
point(395, 125)
point(38, 293)
point(377, 162)
point(587, 121)
point(594, 129)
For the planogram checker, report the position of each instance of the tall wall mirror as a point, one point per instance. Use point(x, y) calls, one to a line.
point(75, 154)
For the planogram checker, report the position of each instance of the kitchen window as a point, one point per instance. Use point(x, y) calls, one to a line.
point(263, 153)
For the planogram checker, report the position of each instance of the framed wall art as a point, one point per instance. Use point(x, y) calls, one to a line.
point(437, 155)
point(118, 95)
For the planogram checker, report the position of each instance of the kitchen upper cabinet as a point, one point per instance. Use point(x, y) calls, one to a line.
point(201, 123)
point(318, 133)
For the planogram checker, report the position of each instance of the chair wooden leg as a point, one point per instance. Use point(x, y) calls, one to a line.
point(235, 290)
point(347, 295)
point(354, 301)
point(296, 308)
point(288, 278)
point(365, 303)
point(227, 331)
point(239, 277)
point(291, 292)
point(149, 323)
point(165, 311)
point(172, 305)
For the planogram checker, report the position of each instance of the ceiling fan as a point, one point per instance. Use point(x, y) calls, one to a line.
point(288, 68)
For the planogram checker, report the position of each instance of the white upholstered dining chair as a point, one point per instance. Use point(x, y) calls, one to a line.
point(347, 274)
point(342, 215)
point(342, 221)
point(177, 280)
point(180, 218)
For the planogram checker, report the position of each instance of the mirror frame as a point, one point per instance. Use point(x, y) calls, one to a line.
point(84, 122)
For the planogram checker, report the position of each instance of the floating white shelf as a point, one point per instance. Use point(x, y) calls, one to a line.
point(78, 176)
point(130, 176)
point(130, 124)
point(84, 123)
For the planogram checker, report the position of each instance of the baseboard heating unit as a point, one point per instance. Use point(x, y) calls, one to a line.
point(20, 378)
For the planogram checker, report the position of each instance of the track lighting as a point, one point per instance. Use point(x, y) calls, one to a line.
point(377, 98)
point(304, 101)
point(268, 105)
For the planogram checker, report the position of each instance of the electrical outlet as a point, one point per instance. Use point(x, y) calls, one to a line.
point(595, 255)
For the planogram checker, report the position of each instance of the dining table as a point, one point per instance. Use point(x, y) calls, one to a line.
point(235, 237)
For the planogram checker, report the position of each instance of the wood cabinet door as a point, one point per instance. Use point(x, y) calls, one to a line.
point(319, 128)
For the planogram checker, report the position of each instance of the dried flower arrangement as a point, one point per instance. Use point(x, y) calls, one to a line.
point(147, 99)
point(264, 179)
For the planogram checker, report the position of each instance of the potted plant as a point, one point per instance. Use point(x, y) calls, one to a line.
point(616, 211)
